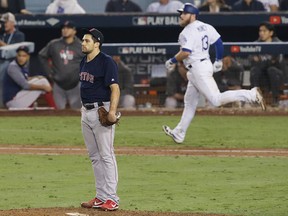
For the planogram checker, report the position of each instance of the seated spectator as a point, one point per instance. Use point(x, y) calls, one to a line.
point(230, 76)
point(283, 5)
point(122, 6)
point(164, 6)
point(248, 5)
point(214, 6)
point(11, 35)
point(230, 2)
point(267, 70)
point(61, 59)
point(64, 7)
point(197, 3)
point(176, 86)
point(20, 90)
point(14, 6)
point(126, 82)
point(270, 5)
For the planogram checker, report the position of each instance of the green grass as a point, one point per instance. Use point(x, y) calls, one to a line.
point(249, 186)
point(205, 131)
point(235, 186)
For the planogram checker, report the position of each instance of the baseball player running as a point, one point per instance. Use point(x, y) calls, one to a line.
point(195, 40)
point(99, 88)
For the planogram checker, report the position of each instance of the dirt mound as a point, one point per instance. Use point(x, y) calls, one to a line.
point(90, 212)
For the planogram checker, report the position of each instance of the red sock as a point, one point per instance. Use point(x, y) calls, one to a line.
point(50, 100)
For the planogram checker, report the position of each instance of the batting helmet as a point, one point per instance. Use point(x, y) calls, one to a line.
point(189, 8)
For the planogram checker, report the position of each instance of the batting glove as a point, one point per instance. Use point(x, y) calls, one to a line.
point(217, 66)
point(170, 64)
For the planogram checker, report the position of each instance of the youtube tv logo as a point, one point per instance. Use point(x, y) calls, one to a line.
point(275, 19)
point(235, 49)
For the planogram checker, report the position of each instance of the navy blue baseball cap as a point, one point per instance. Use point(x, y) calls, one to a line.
point(69, 24)
point(23, 48)
point(189, 8)
point(95, 33)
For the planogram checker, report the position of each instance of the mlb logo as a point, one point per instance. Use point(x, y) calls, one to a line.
point(123, 50)
point(275, 19)
point(235, 49)
point(139, 20)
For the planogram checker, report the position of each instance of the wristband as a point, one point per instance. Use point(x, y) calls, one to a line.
point(173, 60)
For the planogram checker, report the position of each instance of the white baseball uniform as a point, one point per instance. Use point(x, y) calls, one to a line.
point(197, 38)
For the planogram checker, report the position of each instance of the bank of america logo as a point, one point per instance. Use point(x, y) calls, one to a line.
point(52, 21)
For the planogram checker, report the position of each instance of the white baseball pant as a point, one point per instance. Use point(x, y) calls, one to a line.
point(201, 80)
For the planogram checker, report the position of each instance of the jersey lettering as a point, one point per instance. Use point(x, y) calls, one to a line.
point(84, 76)
point(202, 28)
point(205, 44)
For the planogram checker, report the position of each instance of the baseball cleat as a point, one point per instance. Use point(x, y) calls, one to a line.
point(92, 203)
point(97, 203)
point(109, 205)
point(177, 138)
point(260, 99)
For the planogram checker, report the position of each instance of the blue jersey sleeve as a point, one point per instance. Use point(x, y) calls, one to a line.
point(111, 75)
point(219, 49)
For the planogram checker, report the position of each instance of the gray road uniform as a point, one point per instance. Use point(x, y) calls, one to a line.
point(64, 71)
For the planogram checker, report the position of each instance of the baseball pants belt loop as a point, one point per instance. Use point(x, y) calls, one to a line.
point(90, 106)
point(190, 66)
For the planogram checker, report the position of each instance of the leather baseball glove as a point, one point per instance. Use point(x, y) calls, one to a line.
point(103, 113)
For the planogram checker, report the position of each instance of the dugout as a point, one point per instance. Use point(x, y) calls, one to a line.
point(146, 28)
